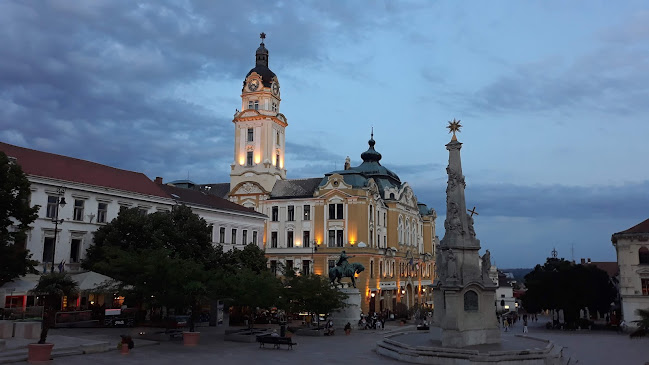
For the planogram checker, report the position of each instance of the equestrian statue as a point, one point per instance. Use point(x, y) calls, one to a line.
point(344, 269)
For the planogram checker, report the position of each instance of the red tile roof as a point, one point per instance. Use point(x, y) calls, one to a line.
point(640, 229)
point(197, 197)
point(44, 164)
point(611, 268)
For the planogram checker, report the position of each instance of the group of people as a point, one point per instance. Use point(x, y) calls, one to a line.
point(510, 320)
point(371, 322)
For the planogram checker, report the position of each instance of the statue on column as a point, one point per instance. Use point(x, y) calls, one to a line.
point(486, 264)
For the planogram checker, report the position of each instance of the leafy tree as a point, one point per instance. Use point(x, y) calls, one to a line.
point(164, 258)
point(643, 323)
point(15, 217)
point(53, 286)
point(562, 285)
point(313, 294)
point(256, 290)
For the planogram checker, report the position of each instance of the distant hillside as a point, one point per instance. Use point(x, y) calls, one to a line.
point(519, 274)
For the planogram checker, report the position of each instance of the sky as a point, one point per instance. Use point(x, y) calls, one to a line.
point(553, 97)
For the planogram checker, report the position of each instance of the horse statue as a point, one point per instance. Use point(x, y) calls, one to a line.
point(346, 271)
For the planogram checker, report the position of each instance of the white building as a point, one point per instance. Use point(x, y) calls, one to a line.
point(632, 247)
point(93, 195)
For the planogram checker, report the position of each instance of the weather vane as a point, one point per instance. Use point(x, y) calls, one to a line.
point(454, 126)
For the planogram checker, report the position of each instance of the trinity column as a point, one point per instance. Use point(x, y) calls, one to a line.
point(464, 294)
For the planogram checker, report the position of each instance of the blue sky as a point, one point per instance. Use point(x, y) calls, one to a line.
point(552, 95)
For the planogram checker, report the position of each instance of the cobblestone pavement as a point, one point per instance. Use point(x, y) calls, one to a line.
point(589, 347)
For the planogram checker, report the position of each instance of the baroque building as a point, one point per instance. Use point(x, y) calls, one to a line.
point(632, 248)
point(366, 210)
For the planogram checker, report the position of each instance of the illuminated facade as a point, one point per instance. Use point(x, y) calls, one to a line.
point(365, 210)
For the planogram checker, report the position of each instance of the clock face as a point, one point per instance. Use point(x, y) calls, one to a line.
point(275, 88)
point(253, 85)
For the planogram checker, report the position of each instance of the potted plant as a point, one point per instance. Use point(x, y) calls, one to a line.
point(53, 287)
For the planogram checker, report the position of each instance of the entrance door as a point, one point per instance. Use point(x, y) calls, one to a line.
point(372, 304)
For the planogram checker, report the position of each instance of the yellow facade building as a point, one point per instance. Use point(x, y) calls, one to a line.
point(365, 210)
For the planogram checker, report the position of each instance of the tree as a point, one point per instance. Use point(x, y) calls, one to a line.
point(164, 258)
point(256, 290)
point(563, 285)
point(53, 286)
point(15, 217)
point(313, 294)
point(643, 323)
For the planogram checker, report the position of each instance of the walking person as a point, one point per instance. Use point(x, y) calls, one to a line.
point(525, 324)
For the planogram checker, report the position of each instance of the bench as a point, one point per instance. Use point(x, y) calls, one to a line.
point(276, 341)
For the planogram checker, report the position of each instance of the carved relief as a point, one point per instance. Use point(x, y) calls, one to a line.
point(453, 222)
point(248, 188)
point(454, 179)
point(451, 264)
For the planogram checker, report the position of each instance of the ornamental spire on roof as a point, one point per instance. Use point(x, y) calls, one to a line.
point(261, 55)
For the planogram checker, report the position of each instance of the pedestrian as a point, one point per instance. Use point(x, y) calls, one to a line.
point(506, 325)
point(525, 324)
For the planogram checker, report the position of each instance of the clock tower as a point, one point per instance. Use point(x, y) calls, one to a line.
point(259, 142)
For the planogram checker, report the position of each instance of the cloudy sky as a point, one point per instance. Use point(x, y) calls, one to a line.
point(553, 96)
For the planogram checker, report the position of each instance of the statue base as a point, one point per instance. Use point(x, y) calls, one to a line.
point(352, 312)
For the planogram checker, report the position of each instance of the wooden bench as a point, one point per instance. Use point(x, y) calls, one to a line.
point(276, 341)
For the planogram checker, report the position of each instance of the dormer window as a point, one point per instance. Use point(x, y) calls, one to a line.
point(253, 104)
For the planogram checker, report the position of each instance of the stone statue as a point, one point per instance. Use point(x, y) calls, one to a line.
point(451, 265)
point(486, 264)
point(440, 264)
point(469, 219)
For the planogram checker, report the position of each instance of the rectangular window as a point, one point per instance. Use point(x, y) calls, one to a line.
point(48, 246)
point(289, 265)
point(254, 237)
point(339, 238)
point(142, 211)
point(75, 250)
point(339, 211)
point(332, 238)
point(385, 242)
point(102, 210)
point(273, 240)
point(251, 105)
point(275, 214)
point(211, 233)
point(291, 213)
point(277, 160)
point(306, 239)
point(78, 209)
point(335, 211)
point(250, 134)
point(371, 213)
point(256, 104)
point(384, 221)
point(331, 264)
point(249, 158)
point(273, 266)
point(307, 212)
point(222, 235)
point(371, 269)
point(645, 286)
point(289, 239)
point(277, 135)
point(52, 206)
point(234, 236)
point(244, 236)
point(306, 267)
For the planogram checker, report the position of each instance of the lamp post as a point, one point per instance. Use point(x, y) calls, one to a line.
point(59, 202)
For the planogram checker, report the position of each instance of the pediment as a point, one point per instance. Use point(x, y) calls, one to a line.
point(643, 271)
point(335, 181)
point(248, 188)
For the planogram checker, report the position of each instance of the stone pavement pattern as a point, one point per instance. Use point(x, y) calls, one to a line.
point(589, 347)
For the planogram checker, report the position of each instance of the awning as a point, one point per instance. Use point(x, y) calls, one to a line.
point(87, 281)
point(90, 280)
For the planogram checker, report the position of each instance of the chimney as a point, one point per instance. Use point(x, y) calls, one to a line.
point(583, 261)
point(589, 260)
point(158, 180)
point(347, 163)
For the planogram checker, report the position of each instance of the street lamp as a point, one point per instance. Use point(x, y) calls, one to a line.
point(59, 202)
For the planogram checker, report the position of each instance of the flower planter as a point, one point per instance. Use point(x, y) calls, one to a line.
point(191, 338)
point(39, 353)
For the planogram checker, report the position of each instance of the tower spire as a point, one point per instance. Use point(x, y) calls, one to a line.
point(261, 55)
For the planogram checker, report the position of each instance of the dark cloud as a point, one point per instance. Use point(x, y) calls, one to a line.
point(98, 80)
point(546, 201)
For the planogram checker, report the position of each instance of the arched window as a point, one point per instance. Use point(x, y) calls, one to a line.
point(400, 229)
point(407, 232)
point(470, 301)
point(643, 255)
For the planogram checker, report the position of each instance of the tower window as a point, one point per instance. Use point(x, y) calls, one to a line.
point(277, 160)
point(274, 107)
point(250, 135)
point(253, 104)
point(249, 158)
point(277, 138)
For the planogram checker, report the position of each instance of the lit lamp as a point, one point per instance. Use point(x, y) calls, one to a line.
point(403, 291)
point(373, 294)
point(59, 202)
